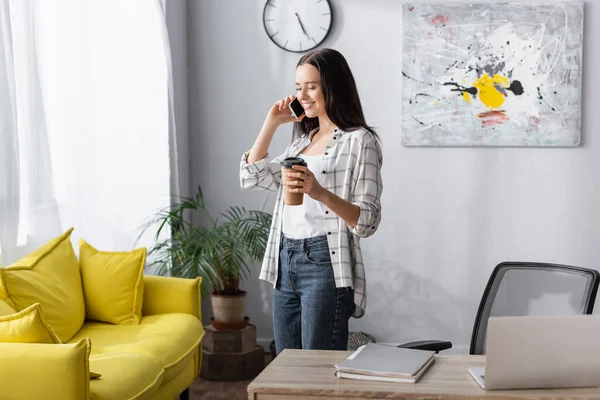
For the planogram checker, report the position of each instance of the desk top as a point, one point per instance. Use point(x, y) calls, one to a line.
point(306, 373)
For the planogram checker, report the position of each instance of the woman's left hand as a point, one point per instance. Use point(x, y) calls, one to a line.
point(304, 181)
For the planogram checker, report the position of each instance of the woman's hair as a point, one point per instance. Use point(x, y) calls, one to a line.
point(342, 103)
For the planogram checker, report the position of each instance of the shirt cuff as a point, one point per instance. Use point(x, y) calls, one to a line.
point(365, 226)
point(255, 167)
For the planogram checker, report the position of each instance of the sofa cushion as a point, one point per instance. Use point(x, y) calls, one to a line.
point(27, 326)
point(172, 339)
point(113, 285)
point(5, 309)
point(125, 376)
point(173, 388)
point(49, 276)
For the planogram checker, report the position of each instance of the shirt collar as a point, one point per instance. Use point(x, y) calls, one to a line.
point(337, 132)
point(313, 132)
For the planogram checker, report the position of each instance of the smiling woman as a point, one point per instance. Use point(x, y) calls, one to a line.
point(313, 258)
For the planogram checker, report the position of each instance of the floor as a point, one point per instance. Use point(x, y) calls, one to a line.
point(213, 390)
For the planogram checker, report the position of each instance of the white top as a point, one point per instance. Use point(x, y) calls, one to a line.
point(308, 219)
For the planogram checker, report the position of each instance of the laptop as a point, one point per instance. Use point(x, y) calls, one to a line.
point(541, 352)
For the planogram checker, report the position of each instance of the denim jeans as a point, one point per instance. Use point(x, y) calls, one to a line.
point(309, 312)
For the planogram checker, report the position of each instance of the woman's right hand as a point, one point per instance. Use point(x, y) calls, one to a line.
point(280, 112)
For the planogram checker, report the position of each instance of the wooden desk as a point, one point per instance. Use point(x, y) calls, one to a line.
point(309, 375)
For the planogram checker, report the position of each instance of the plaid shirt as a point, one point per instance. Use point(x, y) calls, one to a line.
point(351, 170)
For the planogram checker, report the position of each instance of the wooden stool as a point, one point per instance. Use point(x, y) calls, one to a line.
point(231, 355)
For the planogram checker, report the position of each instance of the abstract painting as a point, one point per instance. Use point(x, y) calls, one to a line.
point(495, 74)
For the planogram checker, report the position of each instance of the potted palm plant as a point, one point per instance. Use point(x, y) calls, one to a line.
point(219, 250)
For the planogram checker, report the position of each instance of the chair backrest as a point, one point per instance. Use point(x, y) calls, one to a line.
point(527, 288)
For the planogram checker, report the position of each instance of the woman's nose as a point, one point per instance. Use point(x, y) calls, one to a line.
point(302, 94)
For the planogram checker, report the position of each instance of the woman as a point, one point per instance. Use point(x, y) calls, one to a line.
point(313, 255)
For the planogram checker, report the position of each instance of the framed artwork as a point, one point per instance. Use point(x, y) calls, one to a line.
point(493, 74)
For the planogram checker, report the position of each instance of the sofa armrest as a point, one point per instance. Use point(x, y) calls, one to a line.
point(45, 371)
point(164, 295)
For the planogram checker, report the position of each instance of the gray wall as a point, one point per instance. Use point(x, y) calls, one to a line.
point(449, 214)
point(176, 16)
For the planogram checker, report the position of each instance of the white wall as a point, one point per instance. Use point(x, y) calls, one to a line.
point(449, 214)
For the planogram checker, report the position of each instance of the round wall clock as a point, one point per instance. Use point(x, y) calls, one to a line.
point(297, 25)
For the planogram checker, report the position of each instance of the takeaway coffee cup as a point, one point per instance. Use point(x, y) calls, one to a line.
point(291, 199)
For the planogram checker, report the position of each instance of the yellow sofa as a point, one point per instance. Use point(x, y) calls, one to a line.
point(155, 359)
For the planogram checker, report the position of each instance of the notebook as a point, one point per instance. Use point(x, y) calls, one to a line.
point(385, 363)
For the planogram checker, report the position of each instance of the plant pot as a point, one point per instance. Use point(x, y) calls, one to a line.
point(229, 309)
point(229, 326)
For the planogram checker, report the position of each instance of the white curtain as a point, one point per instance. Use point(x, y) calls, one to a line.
point(84, 121)
point(9, 171)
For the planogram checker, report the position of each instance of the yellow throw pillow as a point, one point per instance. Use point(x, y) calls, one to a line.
point(5, 309)
point(49, 276)
point(113, 285)
point(27, 326)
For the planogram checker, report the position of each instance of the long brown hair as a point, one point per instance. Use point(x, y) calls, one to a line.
point(342, 103)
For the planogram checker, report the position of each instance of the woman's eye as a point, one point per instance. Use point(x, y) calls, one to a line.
point(298, 89)
point(312, 88)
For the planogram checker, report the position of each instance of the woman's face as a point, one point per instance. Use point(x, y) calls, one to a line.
point(309, 92)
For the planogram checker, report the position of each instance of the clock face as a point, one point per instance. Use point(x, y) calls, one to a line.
point(297, 25)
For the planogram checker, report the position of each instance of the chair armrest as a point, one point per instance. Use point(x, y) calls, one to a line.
point(45, 371)
point(165, 295)
point(432, 345)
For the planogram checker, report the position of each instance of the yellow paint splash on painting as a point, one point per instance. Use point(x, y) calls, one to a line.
point(488, 94)
point(466, 97)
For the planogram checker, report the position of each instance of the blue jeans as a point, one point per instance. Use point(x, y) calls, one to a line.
point(309, 312)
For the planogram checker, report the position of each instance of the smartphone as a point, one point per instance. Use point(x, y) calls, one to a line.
point(296, 108)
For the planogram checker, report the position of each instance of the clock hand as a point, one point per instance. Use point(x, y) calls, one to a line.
point(302, 26)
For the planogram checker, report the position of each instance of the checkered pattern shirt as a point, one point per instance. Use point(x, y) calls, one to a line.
point(352, 170)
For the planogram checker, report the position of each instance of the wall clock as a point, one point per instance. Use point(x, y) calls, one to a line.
point(297, 25)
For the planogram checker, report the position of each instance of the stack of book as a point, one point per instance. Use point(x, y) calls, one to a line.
point(378, 362)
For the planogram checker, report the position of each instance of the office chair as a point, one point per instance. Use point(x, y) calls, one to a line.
point(527, 288)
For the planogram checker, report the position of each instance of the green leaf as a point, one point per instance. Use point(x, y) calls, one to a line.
point(221, 252)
